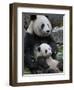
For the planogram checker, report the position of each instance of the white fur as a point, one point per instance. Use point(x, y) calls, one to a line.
point(43, 47)
point(30, 28)
point(53, 64)
point(35, 26)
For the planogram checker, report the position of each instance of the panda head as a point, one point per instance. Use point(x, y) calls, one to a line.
point(41, 25)
point(43, 50)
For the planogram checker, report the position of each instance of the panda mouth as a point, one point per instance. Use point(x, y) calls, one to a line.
point(44, 57)
point(45, 34)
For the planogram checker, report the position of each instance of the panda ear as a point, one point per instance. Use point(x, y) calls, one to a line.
point(33, 17)
point(47, 16)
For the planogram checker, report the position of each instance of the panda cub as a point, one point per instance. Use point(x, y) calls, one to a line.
point(45, 51)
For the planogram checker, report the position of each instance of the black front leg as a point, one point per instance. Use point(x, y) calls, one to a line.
point(29, 61)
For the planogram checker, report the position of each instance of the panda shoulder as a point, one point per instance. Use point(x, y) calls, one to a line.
point(28, 35)
point(30, 28)
point(28, 39)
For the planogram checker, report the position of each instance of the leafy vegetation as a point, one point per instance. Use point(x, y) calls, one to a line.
point(59, 55)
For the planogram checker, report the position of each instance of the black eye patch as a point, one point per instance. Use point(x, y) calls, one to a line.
point(39, 49)
point(45, 51)
point(42, 26)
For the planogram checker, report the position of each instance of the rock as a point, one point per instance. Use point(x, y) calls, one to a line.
point(57, 34)
point(59, 56)
point(56, 19)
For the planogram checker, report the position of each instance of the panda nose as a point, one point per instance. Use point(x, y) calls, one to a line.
point(45, 51)
point(47, 31)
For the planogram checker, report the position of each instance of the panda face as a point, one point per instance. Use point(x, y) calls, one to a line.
point(43, 50)
point(42, 26)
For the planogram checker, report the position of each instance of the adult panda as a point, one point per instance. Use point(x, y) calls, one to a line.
point(38, 32)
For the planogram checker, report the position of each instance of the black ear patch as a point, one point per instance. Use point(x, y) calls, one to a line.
point(47, 16)
point(33, 17)
point(39, 49)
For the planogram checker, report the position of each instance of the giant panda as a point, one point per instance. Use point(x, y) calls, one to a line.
point(38, 31)
point(43, 53)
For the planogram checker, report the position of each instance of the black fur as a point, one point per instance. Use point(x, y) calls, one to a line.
point(33, 17)
point(42, 26)
point(60, 65)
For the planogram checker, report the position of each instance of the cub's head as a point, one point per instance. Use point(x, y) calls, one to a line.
point(44, 50)
point(41, 25)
